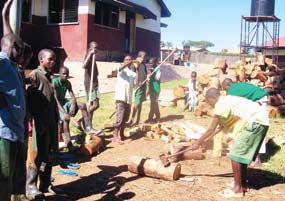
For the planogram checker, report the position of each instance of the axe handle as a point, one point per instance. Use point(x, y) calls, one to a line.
point(174, 50)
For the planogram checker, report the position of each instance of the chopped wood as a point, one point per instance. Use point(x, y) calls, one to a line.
point(220, 63)
point(154, 168)
point(92, 146)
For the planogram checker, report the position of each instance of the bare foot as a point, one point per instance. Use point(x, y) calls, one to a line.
point(117, 141)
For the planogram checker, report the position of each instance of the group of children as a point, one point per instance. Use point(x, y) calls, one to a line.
point(34, 106)
point(133, 77)
point(39, 102)
point(31, 109)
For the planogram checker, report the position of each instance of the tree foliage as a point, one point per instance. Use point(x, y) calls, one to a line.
point(165, 44)
point(199, 44)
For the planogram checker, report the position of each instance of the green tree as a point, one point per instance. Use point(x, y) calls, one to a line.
point(199, 44)
point(162, 44)
point(169, 44)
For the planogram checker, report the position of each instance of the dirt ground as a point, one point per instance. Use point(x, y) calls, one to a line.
point(105, 177)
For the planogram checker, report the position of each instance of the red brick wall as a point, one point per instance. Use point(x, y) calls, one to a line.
point(72, 37)
point(110, 39)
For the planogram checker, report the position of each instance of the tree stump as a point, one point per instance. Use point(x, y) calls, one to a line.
point(154, 168)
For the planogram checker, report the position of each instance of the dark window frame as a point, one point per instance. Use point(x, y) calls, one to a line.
point(27, 14)
point(59, 14)
point(107, 15)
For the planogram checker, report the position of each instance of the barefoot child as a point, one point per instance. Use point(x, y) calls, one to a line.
point(68, 108)
point(153, 91)
point(140, 92)
point(237, 114)
point(123, 97)
point(93, 98)
point(251, 92)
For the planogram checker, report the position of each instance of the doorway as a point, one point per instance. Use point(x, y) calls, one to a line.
point(130, 31)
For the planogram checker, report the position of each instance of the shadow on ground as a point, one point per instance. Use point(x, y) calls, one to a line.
point(271, 149)
point(106, 182)
point(258, 179)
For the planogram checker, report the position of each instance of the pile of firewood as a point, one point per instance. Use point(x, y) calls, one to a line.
point(262, 73)
point(182, 131)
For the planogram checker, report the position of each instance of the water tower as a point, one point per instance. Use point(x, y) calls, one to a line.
point(260, 30)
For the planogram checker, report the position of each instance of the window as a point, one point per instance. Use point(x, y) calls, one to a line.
point(63, 11)
point(107, 15)
point(26, 10)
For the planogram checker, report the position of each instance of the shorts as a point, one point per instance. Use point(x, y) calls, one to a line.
point(66, 106)
point(123, 111)
point(248, 143)
point(140, 95)
point(94, 95)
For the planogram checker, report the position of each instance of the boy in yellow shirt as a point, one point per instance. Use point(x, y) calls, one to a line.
point(253, 123)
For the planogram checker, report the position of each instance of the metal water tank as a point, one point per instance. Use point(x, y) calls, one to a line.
point(262, 7)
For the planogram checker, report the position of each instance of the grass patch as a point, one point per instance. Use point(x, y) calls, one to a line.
point(174, 83)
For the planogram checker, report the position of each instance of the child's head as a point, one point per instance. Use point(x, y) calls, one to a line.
point(128, 58)
point(63, 73)
point(142, 54)
point(47, 59)
point(226, 84)
point(13, 46)
point(212, 95)
point(93, 46)
point(194, 75)
point(153, 62)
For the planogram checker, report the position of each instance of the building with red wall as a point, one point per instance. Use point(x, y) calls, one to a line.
point(118, 26)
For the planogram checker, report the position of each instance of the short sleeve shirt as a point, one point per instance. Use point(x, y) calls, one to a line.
point(235, 112)
point(247, 90)
point(61, 89)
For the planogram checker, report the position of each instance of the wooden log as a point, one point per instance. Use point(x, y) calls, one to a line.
point(133, 131)
point(220, 63)
point(178, 92)
point(188, 155)
point(204, 79)
point(273, 111)
point(154, 168)
point(214, 82)
point(260, 59)
point(92, 146)
point(198, 112)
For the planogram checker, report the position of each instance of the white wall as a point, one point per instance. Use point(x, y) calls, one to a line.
point(122, 17)
point(149, 24)
point(40, 7)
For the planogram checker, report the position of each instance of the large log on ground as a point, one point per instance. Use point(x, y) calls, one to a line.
point(179, 92)
point(154, 168)
point(91, 146)
point(188, 155)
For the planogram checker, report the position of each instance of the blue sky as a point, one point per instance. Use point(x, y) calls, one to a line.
point(217, 21)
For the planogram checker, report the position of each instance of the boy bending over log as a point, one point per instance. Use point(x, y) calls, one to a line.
point(243, 116)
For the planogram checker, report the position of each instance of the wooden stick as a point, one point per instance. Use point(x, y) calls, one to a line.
point(91, 83)
point(172, 52)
